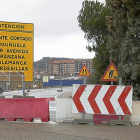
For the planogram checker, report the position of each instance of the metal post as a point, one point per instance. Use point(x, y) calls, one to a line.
point(84, 81)
point(9, 80)
point(28, 87)
point(23, 84)
point(111, 82)
point(120, 83)
point(3, 86)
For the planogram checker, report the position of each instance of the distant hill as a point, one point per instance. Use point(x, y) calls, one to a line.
point(40, 65)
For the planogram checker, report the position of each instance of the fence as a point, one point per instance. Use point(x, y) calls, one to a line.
point(64, 82)
point(18, 85)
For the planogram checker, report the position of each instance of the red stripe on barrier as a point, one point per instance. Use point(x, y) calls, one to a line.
point(122, 102)
point(107, 97)
point(92, 100)
point(76, 98)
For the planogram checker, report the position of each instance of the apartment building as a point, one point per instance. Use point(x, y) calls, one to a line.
point(67, 67)
point(80, 62)
point(58, 67)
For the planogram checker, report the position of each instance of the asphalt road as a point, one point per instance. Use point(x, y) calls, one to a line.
point(66, 131)
point(39, 93)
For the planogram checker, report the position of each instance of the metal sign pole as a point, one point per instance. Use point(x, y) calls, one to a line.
point(84, 72)
point(84, 81)
point(23, 84)
point(9, 80)
point(120, 84)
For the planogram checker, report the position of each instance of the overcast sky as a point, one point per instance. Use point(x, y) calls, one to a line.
point(56, 31)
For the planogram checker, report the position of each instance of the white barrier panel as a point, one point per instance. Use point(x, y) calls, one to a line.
point(60, 110)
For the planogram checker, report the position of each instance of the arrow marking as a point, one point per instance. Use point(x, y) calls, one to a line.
point(102, 99)
point(106, 99)
point(76, 98)
point(92, 100)
point(122, 102)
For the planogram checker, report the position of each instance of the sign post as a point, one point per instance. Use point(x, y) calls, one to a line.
point(45, 79)
point(23, 84)
point(111, 74)
point(84, 72)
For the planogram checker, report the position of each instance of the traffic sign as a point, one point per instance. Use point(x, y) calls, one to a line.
point(111, 73)
point(37, 76)
point(16, 48)
point(45, 79)
point(84, 72)
point(102, 99)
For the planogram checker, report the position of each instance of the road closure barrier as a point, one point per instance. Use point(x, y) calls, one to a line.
point(25, 108)
point(105, 102)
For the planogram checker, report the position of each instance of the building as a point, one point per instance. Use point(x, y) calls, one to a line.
point(60, 67)
point(79, 64)
point(67, 67)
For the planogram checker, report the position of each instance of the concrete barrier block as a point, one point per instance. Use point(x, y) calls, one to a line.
point(60, 110)
point(83, 121)
point(64, 111)
point(28, 96)
point(119, 122)
point(2, 96)
point(135, 117)
point(17, 96)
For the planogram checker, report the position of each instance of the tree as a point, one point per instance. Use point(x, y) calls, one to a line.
point(92, 21)
point(124, 40)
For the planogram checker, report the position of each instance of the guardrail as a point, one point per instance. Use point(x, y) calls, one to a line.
point(25, 108)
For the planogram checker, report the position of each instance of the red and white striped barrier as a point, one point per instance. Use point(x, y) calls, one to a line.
point(102, 99)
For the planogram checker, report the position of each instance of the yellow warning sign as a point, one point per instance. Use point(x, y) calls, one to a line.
point(16, 48)
point(111, 73)
point(84, 71)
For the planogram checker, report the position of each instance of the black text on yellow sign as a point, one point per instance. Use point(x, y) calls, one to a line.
point(16, 48)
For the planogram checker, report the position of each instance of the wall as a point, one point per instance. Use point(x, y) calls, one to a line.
point(64, 83)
